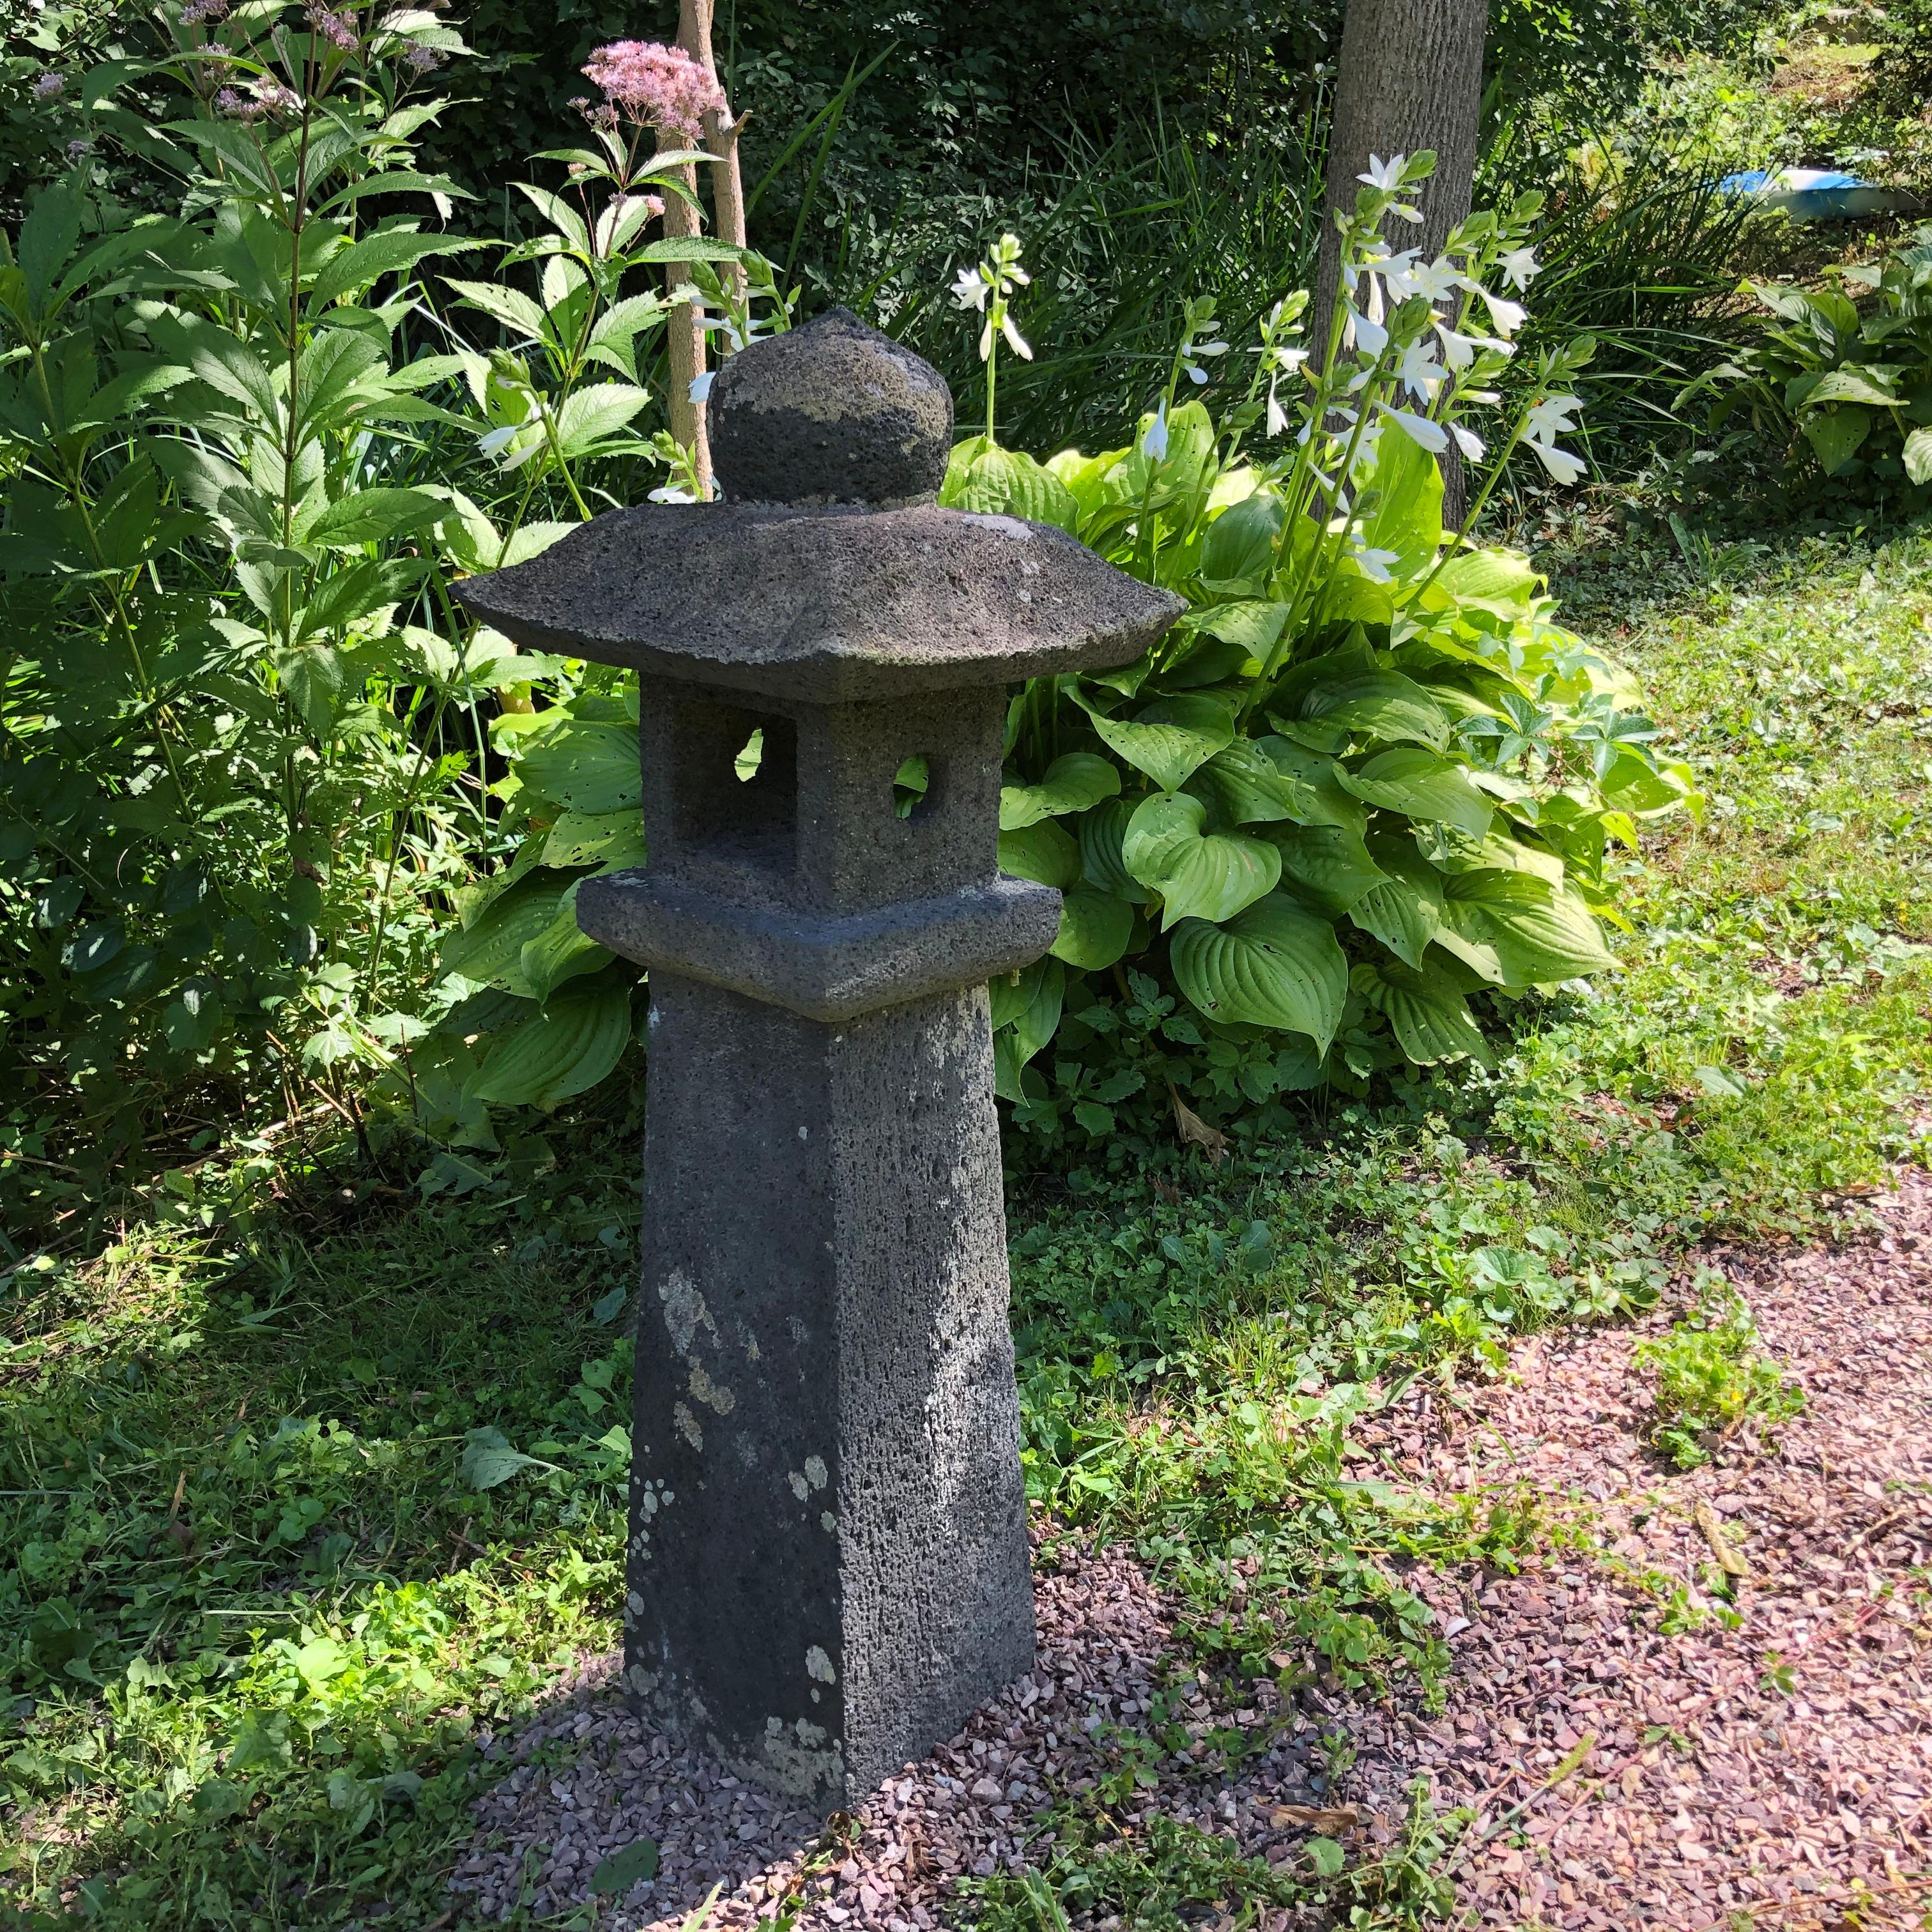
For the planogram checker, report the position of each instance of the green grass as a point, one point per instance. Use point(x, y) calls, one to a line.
point(259, 1608)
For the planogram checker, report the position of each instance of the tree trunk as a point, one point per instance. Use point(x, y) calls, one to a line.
point(1410, 77)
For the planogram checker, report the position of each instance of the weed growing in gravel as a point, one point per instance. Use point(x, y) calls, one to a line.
point(1712, 1377)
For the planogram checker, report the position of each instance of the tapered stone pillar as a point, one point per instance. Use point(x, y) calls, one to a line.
point(828, 1565)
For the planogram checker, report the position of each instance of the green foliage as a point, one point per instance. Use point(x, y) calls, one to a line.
point(1712, 1377)
point(245, 764)
point(1843, 393)
point(1175, 1322)
point(263, 1598)
point(1366, 776)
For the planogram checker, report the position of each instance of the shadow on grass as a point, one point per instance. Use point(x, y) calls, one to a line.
point(258, 1607)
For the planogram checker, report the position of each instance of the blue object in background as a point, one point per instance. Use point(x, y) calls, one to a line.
point(1817, 194)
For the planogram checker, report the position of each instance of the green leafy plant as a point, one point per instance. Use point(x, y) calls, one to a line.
point(1712, 1377)
point(1367, 775)
point(245, 767)
point(1844, 391)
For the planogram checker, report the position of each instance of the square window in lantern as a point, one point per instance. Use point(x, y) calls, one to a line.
point(734, 784)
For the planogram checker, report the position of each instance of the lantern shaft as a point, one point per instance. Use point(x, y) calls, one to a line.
point(828, 1567)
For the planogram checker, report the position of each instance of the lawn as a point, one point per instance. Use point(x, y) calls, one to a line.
point(309, 1481)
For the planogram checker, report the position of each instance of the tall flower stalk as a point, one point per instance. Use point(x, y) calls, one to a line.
point(989, 289)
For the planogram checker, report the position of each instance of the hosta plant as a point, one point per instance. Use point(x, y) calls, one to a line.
point(1368, 787)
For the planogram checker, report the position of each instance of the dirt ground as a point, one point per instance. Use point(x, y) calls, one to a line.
point(1636, 1749)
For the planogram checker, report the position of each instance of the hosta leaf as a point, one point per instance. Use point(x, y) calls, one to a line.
point(1101, 864)
point(1071, 784)
point(590, 765)
point(1405, 514)
point(1836, 436)
point(1377, 704)
point(1240, 545)
point(565, 1049)
point(1325, 803)
point(1405, 911)
point(1499, 581)
point(1043, 851)
point(490, 951)
point(1919, 455)
point(1172, 738)
point(1848, 385)
point(1209, 876)
point(1094, 928)
point(1427, 1013)
point(1254, 627)
point(606, 840)
point(1026, 1014)
point(1005, 482)
point(1417, 783)
point(1326, 864)
point(1244, 786)
point(562, 951)
point(1538, 933)
point(1275, 965)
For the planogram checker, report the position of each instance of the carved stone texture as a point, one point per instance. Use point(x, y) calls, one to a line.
point(828, 1555)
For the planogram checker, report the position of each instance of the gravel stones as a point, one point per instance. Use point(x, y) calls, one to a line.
point(1780, 1767)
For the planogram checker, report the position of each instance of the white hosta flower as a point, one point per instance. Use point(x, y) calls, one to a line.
point(494, 442)
point(1507, 316)
point(1285, 360)
point(1435, 280)
point(672, 493)
point(700, 386)
point(1365, 335)
point(1015, 341)
point(1459, 350)
point(1373, 563)
point(1193, 370)
point(1468, 442)
point(971, 289)
point(1384, 175)
point(1154, 439)
point(1563, 467)
point(1277, 416)
point(1419, 430)
point(1551, 417)
point(1519, 266)
point(1419, 374)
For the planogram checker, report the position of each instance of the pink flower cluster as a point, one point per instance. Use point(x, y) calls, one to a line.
point(197, 11)
point(336, 28)
point(661, 86)
point(263, 96)
point(48, 87)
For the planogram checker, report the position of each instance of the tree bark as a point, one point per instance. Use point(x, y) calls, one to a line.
point(1410, 77)
point(685, 338)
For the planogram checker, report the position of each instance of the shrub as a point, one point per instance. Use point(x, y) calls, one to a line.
point(1844, 394)
point(245, 770)
point(1367, 777)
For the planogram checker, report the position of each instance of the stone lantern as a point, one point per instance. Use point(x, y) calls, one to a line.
point(828, 1563)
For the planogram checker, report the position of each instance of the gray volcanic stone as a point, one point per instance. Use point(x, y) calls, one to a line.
point(832, 412)
point(830, 605)
point(827, 1566)
point(828, 1563)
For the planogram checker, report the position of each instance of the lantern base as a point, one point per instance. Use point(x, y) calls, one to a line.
point(828, 1567)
